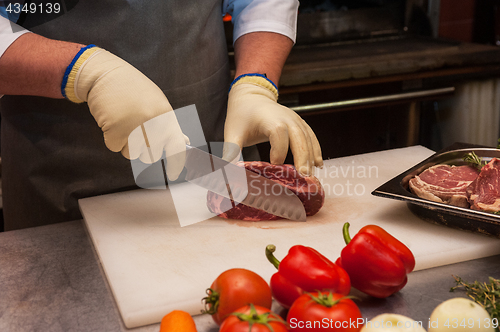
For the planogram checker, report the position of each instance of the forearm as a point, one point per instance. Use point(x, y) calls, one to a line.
point(263, 53)
point(34, 65)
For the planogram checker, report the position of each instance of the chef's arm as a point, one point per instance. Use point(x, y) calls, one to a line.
point(254, 115)
point(262, 52)
point(123, 101)
point(34, 65)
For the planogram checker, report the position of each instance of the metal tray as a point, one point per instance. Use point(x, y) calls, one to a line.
point(438, 213)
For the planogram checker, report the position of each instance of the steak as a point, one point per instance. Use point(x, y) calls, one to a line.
point(484, 192)
point(444, 184)
point(308, 189)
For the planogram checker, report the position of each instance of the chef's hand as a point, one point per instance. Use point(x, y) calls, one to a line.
point(133, 113)
point(254, 116)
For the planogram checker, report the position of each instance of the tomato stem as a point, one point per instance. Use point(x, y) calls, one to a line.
point(326, 299)
point(345, 232)
point(211, 302)
point(255, 318)
point(270, 257)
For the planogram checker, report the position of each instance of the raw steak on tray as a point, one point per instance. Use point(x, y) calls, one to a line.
point(484, 192)
point(444, 184)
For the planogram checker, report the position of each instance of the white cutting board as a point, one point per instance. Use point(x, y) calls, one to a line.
point(154, 266)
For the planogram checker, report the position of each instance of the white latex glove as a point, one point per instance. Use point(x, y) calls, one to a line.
point(124, 101)
point(254, 116)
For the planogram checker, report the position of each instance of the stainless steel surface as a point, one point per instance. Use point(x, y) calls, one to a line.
point(242, 186)
point(440, 213)
point(372, 100)
point(51, 281)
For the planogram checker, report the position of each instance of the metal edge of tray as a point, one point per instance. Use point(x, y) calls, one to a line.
point(440, 213)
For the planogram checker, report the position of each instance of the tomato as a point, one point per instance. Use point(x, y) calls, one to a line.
point(252, 318)
point(234, 289)
point(324, 311)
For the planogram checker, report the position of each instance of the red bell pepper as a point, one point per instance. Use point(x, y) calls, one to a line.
point(377, 263)
point(305, 270)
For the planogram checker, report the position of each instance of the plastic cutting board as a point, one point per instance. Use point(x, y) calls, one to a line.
point(154, 266)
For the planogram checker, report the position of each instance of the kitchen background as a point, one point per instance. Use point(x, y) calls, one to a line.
point(370, 75)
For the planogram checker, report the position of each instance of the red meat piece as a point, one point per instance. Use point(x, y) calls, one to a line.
point(484, 192)
point(444, 184)
point(308, 189)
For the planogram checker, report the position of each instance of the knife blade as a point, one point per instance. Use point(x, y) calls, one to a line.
point(241, 185)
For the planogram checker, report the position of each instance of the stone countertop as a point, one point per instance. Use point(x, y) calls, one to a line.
point(51, 280)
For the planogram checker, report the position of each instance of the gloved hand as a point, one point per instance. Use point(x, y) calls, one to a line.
point(123, 100)
point(254, 116)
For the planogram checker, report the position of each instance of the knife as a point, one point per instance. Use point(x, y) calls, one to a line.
point(241, 185)
point(228, 180)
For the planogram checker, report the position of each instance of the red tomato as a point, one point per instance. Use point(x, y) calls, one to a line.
point(324, 311)
point(252, 318)
point(234, 289)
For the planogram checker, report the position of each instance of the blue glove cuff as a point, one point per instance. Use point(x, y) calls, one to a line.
point(258, 79)
point(70, 68)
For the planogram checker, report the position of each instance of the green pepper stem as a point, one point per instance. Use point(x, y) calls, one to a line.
point(270, 257)
point(345, 232)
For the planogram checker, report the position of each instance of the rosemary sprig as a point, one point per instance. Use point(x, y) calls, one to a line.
point(485, 294)
point(473, 159)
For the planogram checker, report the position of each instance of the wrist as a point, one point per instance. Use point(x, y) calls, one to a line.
point(68, 85)
point(256, 79)
point(34, 65)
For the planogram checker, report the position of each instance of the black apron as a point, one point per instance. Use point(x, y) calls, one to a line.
point(53, 152)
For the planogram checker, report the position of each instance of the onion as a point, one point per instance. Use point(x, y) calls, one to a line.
point(460, 314)
point(392, 323)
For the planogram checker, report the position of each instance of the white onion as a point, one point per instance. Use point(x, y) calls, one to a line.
point(392, 323)
point(459, 315)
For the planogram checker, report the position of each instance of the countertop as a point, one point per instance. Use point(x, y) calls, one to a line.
point(51, 280)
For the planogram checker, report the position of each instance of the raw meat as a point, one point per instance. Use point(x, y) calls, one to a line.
point(308, 189)
point(484, 192)
point(444, 184)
